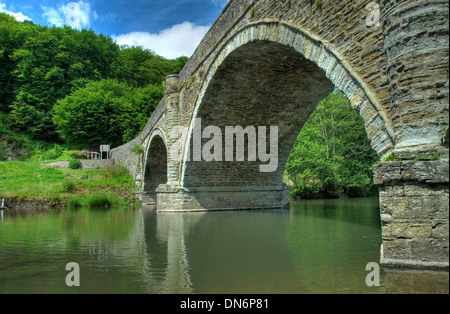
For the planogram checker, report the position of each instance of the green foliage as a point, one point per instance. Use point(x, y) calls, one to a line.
point(53, 154)
point(68, 186)
point(332, 156)
point(118, 174)
point(394, 157)
point(107, 111)
point(137, 149)
point(100, 202)
point(139, 67)
point(75, 164)
point(40, 66)
point(3, 129)
point(390, 157)
point(74, 203)
point(29, 180)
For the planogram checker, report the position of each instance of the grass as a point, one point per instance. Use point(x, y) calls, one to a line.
point(393, 157)
point(74, 187)
point(27, 180)
point(100, 201)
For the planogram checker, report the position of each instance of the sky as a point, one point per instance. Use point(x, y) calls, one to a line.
point(170, 28)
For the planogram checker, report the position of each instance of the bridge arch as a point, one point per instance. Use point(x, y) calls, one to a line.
point(274, 74)
point(156, 162)
point(262, 63)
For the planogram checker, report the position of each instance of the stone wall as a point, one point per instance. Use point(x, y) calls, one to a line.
point(416, 43)
point(85, 164)
point(414, 213)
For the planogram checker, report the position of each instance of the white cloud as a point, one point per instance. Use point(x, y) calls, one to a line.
point(52, 16)
point(179, 40)
point(19, 16)
point(75, 14)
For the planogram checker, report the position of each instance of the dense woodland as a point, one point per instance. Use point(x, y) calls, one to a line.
point(78, 89)
point(44, 70)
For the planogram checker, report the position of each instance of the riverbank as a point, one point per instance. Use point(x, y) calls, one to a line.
point(29, 187)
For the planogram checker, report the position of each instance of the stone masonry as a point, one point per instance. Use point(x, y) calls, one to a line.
point(268, 63)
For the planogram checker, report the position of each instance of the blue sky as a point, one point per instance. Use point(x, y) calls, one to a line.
point(171, 28)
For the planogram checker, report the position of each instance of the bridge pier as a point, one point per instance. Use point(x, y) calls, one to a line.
point(414, 213)
point(180, 199)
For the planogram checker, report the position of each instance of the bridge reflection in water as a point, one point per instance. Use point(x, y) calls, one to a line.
point(318, 246)
point(304, 250)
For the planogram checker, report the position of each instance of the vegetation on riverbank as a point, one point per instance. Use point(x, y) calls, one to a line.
point(85, 187)
point(332, 157)
point(61, 87)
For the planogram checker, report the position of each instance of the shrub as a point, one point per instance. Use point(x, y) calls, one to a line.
point(53, 154)
point(99, 201)
point(75, 164)
point(74, 203)
point(69, 187)
point(137, 149)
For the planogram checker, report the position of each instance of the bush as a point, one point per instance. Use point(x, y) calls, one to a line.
point(53, 154)
point(74, 203)
point(69, 187)
point(137, 149)
point(75, 164)
point(99, 201)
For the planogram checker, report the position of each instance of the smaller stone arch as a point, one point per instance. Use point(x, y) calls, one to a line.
point(155, 164)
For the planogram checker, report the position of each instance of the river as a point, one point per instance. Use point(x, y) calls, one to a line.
point(320, 246)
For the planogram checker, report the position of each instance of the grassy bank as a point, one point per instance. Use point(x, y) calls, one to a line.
point(78, 188)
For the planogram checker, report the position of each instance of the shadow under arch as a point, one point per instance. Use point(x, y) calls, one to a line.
point(155, 173)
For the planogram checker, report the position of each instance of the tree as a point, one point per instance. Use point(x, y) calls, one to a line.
point(140, 67)
point(105, 112)
point(332, 156)
point(40, 66)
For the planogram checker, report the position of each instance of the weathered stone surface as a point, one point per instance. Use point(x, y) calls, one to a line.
point(420, 171)
point(268, 63)
point(414, 210)
point(85, 164)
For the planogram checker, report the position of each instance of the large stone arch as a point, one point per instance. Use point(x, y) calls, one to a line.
point(273, 74)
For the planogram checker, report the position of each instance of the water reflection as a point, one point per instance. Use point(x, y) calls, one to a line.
point(416, 282)
point(316, 247)
point(171, 232)
point(331, 243)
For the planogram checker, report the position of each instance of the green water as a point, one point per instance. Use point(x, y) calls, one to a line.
point(315, 247)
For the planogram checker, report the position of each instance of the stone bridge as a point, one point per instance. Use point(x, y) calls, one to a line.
point(269, 63)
